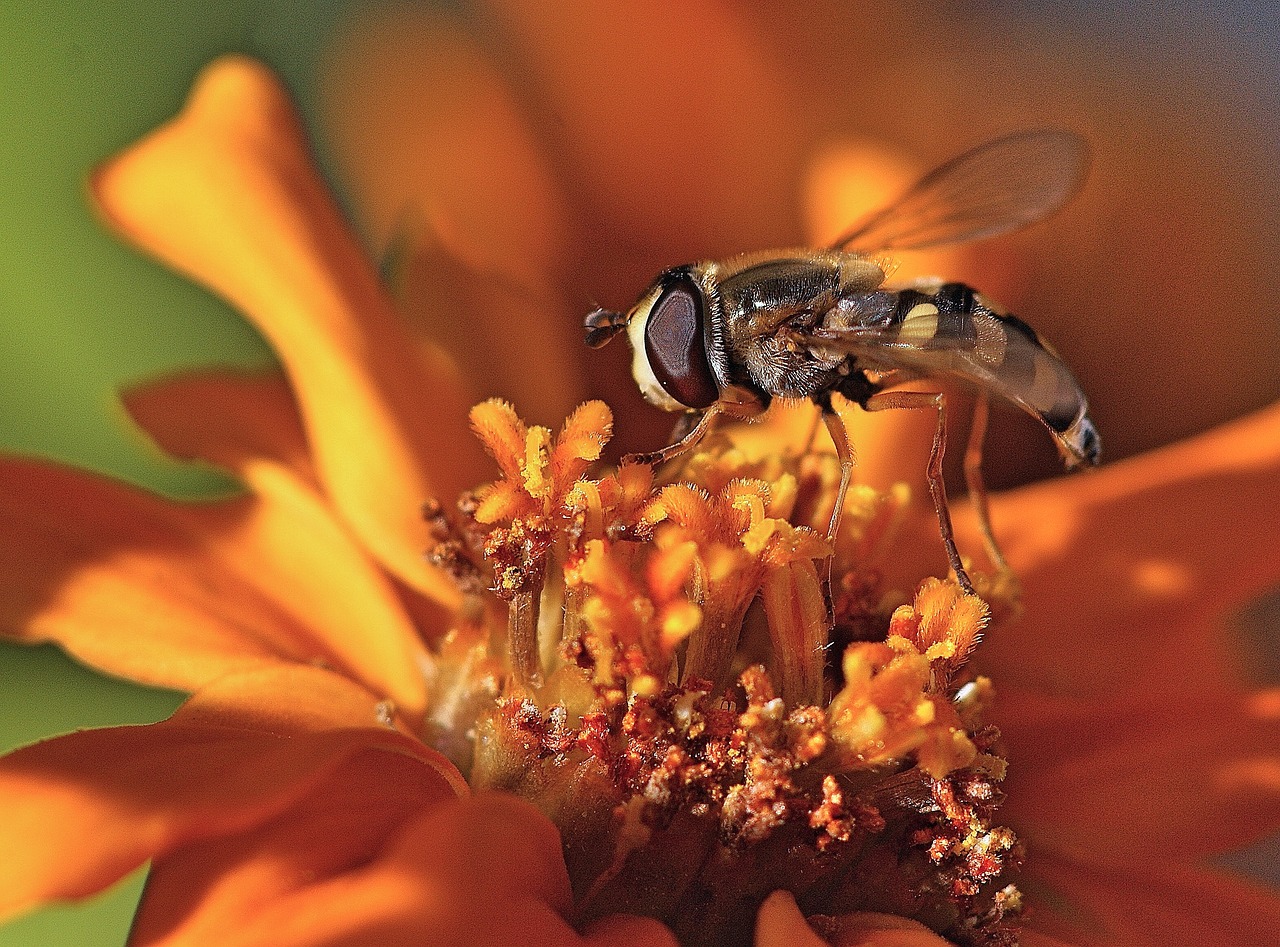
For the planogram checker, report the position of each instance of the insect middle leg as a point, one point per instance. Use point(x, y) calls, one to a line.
point(885, 400)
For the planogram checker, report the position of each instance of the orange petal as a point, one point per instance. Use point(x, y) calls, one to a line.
point(299, 699)
point(481, 871)
point(625, 930)
point(432, 133)
point(780, 924)
point(1144, 783)
point(1033, 938)
point(447, 172)
point(231, 419)
point(179, 594)
point(1094, 906)
point(650, 105)
point(1160, 191)
point(248, 423)
point(584, 434)
point(500, 429)
point(83, 810)
point(226, 193)
point(1130, 572)
point(206, 892)
point(867, 929)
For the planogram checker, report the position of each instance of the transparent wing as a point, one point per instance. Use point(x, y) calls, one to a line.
point(1002, 356)
point(995, 188)
point(891, 349)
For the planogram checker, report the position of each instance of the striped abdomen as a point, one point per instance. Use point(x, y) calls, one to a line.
point(951, 329)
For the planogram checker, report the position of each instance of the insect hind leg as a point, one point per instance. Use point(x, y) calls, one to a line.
point(978, 489)
point(886, 400)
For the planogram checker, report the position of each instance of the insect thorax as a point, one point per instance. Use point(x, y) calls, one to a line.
point(768, 299)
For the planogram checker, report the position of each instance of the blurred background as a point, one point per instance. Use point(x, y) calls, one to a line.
point(1156, 284)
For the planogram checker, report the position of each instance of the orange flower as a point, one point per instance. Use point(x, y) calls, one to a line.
point(310, 792)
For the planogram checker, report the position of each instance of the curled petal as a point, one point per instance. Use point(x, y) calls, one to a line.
point(227, 194)
point(944, 623)
point(178, 595)
point(1156, 784)
point(445, 169)
point(1160, 549)
point(501, 502)
point(85, 809)
point(482, 871)
point(579, 442)
point(780, 924)
point(209, 891)
point(231, 419)
point(681, 503)
point(1088, 905)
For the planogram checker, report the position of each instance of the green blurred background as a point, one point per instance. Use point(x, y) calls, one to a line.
point(83, 315)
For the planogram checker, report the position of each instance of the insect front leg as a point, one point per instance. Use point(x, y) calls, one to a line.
point(687, 442)
point(885, 400)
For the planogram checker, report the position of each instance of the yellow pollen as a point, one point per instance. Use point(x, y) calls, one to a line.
point(537, 455)
point(669, 662)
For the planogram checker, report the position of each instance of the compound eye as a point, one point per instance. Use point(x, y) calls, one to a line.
point(674, 344)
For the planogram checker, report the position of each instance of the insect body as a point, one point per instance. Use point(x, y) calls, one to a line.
point(728, 337)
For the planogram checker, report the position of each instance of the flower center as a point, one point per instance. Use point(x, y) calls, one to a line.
point(663, 671)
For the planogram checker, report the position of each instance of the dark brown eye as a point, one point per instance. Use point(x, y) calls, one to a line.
point(677, 353)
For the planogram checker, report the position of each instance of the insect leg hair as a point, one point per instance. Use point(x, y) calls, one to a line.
point(885, 400)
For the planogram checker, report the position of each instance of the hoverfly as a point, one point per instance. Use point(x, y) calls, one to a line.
point(727, 337)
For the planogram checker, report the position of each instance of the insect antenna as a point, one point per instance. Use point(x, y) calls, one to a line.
point(602, 325)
